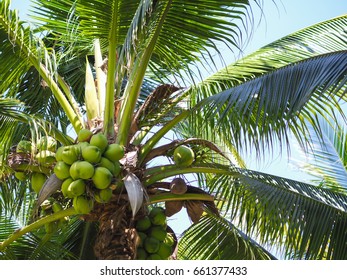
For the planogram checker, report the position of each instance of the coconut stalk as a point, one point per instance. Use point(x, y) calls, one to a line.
point(158, 173)
point(35, 225)
point(148, 146)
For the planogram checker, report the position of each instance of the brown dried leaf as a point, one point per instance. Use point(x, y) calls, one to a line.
point(158, 96)
point(173, 207)
point(153, 102)
point(194, 210)
point(117, 105)
point(14, 159)
point(210, 205)
point(161, 150)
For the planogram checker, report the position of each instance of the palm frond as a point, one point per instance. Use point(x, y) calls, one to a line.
point(39, 100)
point(20, 50)
point(15, 205)
point(63, 244)
point(15, 200)
point(24, 81)
point(197, 32)
point(139, 61)
point(17, 125)
point(262, 64)
point(325, 159)
point(11, 109)
point(298, 46)
point(191, 128)
point(22, 249)
point(11, 114)
point(279, 211)
point(261, 110)
point(275, 211)
point(214, 238)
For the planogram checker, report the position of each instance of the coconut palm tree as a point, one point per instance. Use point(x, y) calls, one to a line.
point(129, 71)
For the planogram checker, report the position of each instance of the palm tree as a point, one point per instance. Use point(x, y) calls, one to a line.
point(130, 71)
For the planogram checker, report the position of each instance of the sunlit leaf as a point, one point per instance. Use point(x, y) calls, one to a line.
point(214, 238)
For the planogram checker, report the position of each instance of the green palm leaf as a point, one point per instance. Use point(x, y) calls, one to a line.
point(11, 109)
point(326, 159)
point(14, 198)
point(267, 105)
point(38, 246)
point(275, 211)
point(11, 114)
point(197, 32)
point(138, 63)
point(39, 99)
point(21, 49)
point(263, 74)
point(214, 238)
point(298, 46)
point(281, 211)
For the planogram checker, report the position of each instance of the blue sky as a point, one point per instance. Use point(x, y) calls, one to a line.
point(287, 16)
point(279, 18)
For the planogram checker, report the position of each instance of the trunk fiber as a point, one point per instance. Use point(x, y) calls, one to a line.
point(116, 238)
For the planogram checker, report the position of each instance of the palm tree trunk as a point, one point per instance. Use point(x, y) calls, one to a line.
point(116, 238)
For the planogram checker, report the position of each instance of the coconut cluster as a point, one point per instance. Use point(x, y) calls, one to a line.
point(87, 169)
point(155, 242)
point(49, 207)
point(44, 156)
